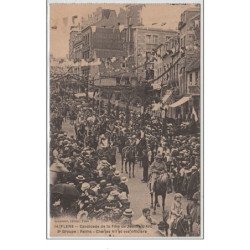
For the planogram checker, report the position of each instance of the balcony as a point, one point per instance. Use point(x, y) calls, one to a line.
point(194, 89)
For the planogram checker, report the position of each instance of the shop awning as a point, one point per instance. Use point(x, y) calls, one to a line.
point(166, 96)
point(180, 102)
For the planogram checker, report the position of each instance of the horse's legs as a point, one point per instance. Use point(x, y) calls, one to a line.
point(156, 202)
point(122, 163)
point(163, 202)
point(126, 169)
point(129, 169)
point(152, 196)
point(133, 168)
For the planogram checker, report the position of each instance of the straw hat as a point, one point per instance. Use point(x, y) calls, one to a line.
point(85, 186)
point(177, 195)
point(117, 173)
point(128, 212)
point(124, 179)
point(80, 178)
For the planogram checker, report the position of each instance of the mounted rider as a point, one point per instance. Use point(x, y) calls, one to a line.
point(176, 212)
point(156, 168)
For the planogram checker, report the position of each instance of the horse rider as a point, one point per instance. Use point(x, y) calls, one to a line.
point(133, 140)
point(176, 212)
point(155, 169)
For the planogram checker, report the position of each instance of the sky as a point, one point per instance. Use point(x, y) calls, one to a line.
point(60, 13)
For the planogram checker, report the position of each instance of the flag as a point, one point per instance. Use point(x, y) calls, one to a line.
point(54, 27)
point(194, 114)
point(163, 24)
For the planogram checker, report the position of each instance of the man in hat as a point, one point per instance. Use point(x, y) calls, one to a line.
point(156, 168)
point(193, 183)
point(113, 200)
point(126, 220)
point(79, 181)
point(123, 187)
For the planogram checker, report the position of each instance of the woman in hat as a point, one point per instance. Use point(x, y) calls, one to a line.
point(176, 211)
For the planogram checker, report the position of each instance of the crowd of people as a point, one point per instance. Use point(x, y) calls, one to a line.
point(85, 180)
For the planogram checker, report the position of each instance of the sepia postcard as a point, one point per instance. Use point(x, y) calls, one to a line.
point(125, 120)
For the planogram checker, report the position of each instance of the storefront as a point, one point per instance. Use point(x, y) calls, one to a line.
point(180, 109)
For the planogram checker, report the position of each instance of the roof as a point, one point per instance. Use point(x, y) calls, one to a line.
point(193, 65)
point(154, 28)
point(192, 9)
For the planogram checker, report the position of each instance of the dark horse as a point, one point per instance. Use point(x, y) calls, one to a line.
point(160, 188)
point(109, 153)
point(129, 155)
point(182, 227)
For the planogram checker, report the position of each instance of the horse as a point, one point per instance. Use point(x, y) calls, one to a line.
point(129, 155)
point(109, 153)
point(140, 146)
point(182, 227)
point(160, 188)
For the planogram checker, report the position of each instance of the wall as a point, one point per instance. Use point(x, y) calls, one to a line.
point(145, 44)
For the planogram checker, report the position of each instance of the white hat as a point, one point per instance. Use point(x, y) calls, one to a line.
point(194, 168)
point(85, 186)
point(117, 173)
point(124, 179)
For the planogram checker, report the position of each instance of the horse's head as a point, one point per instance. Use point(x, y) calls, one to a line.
point(165, 215)
point(186, 223)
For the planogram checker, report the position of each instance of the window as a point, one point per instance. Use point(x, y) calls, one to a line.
point(155, 39)
point(123, 65)
point(148, 38)
point(196, 77)
point(190, 78)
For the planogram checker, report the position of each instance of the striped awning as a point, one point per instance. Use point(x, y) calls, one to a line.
point(180, 102)
point(166, 96)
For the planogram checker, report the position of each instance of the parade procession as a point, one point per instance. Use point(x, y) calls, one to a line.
point(124, 143)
